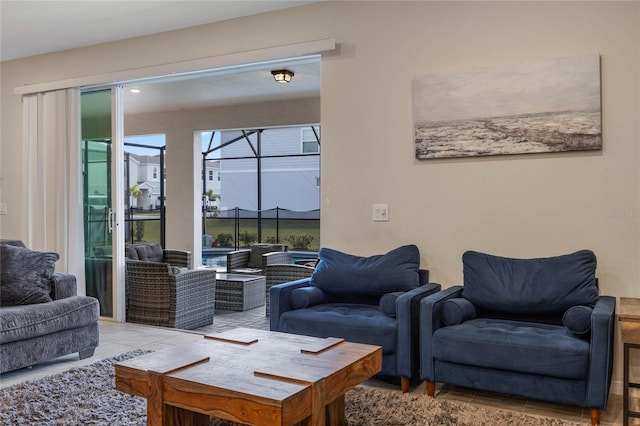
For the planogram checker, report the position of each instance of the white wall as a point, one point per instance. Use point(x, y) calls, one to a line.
point(534, 205)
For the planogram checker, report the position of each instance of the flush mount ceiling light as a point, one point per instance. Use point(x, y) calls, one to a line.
point(282, 76)
point(134, 90)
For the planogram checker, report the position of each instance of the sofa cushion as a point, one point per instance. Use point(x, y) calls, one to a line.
point(150, 252)
point(257, 250)
point(25, 276)
point(530, 286)
point(306, 296)
point(341, 273)
point(532, 348)
point(578, 319)
point(456, 311)
point(352, 322)
point(25, 322)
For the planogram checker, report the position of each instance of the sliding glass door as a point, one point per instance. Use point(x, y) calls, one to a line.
point(100, 170)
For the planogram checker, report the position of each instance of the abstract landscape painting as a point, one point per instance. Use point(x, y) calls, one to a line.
point(517, 109)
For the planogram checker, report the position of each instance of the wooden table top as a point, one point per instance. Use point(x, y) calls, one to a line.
point(259, 367)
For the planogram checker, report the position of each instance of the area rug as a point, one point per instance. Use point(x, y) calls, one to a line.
point(86, 396)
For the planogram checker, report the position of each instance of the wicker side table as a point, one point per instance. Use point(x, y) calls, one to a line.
point(629, 317)
point(238, 292)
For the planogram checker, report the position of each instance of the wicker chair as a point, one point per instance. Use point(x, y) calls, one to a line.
point(155, 253)
point(255, 259)
point(162, 295)
point(284, 273)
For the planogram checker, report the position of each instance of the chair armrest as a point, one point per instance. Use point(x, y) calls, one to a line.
point(179, 258)
point(429, 322)
point(275, 257)
point(238, 259)
point(280, 300)
point(601, 352)
point(408, 316)
point(63, 285)
point(194, 284)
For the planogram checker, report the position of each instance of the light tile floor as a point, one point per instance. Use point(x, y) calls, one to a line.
point(116, 338)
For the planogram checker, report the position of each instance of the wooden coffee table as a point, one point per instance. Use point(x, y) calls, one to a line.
point(250, 376)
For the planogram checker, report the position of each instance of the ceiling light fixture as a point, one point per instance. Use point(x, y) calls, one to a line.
point(282, 76)
point(134, 90)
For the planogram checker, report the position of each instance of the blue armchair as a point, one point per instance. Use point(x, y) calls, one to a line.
point(373, 300)
point(535, 328)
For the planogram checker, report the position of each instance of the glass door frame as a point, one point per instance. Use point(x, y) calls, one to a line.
point(115, 218)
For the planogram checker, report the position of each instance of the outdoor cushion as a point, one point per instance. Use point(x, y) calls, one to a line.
point(150, 252)
point(257, 250)
point(25, 275)
point(578, 319)
point(533, 348)
point(341, 273)
point(530, 286)
point(456, 311)
point(131, 253)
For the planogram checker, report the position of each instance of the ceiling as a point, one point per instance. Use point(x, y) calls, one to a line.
point(31, 27)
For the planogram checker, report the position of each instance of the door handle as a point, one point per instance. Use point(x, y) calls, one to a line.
point(110, 220)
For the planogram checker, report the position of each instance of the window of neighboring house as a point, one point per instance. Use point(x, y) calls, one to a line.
point(309, 142)
point(211, 175)
point(218, 177)
point(318, 181)
point(155, 173)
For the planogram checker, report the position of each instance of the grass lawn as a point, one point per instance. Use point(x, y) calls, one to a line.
point(286, 229)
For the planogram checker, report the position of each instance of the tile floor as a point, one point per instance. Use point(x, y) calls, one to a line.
point(116, 338)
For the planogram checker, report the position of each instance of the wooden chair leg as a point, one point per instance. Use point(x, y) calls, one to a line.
point(595, 416)
point(404, 383)
point(431, 389)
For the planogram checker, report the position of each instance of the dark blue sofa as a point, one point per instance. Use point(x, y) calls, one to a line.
point(373, 300)
point(535, 328)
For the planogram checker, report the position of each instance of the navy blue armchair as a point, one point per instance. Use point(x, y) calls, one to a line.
point(535, 328)
point(373, 300)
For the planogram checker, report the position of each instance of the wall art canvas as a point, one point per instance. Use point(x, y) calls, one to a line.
point(548, 106)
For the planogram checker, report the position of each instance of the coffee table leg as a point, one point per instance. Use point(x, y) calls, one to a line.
point(336, 411)
point(180, 417)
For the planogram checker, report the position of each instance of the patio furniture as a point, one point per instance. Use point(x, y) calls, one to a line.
point(239, 292)
point(284, 273)
point(162, 295)
point(535, 328)
point(254, 259)
point(372, 300)
point(155, 253)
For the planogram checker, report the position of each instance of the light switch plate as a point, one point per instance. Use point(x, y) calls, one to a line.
point(3, 208)
point(381, 212)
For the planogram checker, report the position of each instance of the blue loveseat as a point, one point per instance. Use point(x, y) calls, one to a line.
point(535, 328)
point(373, 300)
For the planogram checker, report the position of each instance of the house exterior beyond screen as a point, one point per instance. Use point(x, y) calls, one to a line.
point(289, 168)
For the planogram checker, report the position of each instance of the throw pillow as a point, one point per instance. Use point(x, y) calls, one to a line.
point(257, 250)
point(540, 286)
point(25, 275)
point(456, 311)
point(306, 296)
point(341, 273)
point(387, 303)
point(578, 319)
